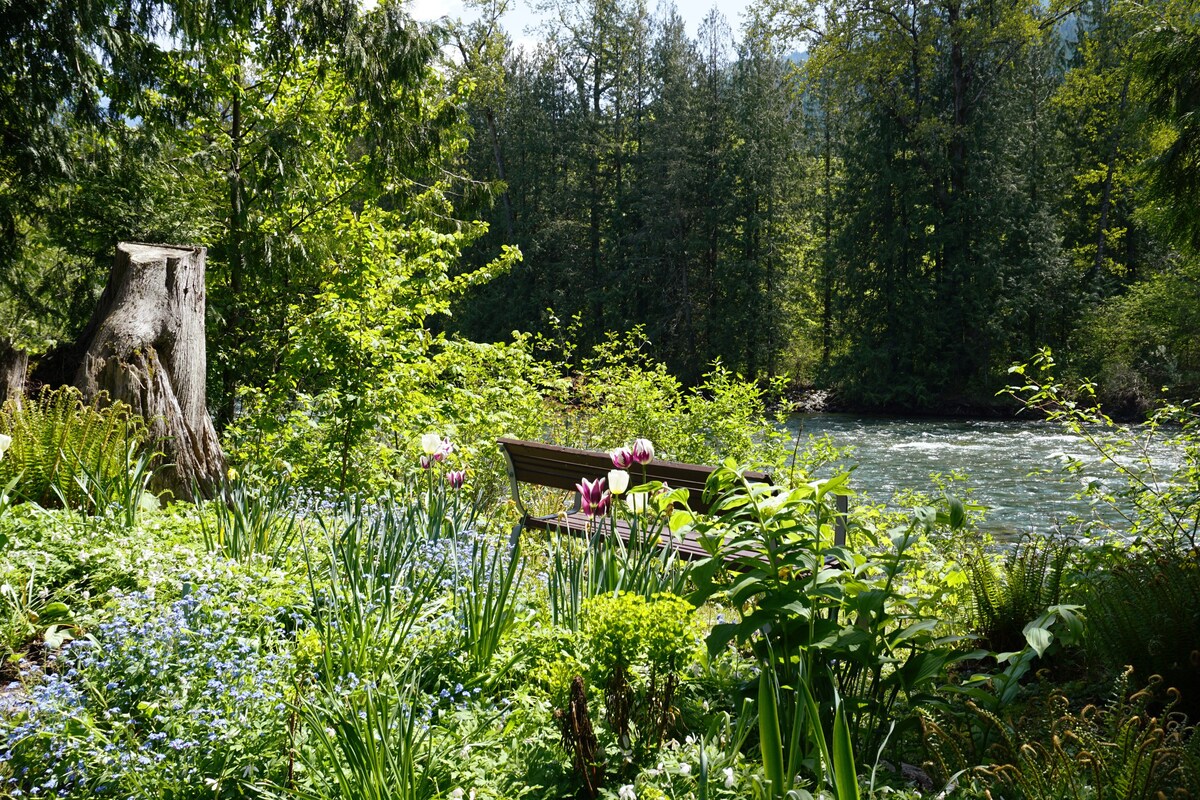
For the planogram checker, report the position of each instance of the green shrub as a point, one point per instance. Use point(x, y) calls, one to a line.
point(1156, 502)
point(637, 649)
point(1145, 613)
point(818, 615)
point(621, 395)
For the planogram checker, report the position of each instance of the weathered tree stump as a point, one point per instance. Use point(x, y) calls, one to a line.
point(144, 346)
point(14, 363)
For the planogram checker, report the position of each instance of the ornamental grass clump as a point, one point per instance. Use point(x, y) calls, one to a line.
point(251, 522)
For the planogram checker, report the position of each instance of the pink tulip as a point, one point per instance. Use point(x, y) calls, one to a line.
point(643, 451)
point(426, 462)
point(444, 449)
point(622, 457)
point(593, 496)
point(455, 478)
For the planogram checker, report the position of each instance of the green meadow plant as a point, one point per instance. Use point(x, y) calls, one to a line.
point(961, 736)
point(1122, 749)
point(485, 604)
point(375, 578)
point(6, 489)
point(1011, 591)
point(249, 521)
point(833, 625)
point(569, 580)
point(31, 615)
point(121, 494)
point(371, 741)
point(1145, 613)
point(6, 493)
point(788, 761)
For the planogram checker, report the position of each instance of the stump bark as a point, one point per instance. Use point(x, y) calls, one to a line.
point(14, 364)
point(145, 346)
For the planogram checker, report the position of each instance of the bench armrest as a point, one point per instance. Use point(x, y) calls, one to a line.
point(515, 486)
point(516, 490)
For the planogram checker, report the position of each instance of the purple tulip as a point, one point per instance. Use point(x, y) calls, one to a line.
point(444, 449)
point(426, 462)
point(593, 496)
point(455, 478)
point(622, 457)
point(643, 451)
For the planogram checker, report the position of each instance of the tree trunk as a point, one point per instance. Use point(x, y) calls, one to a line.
point(14, 364)
point(145, 346)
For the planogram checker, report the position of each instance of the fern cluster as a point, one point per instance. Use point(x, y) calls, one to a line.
point(1146, 614)
point(1119, 751)
point(1011, 592)
point(62, 445)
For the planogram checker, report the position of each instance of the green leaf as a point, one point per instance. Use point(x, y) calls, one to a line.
point(54, 611)
point(845, 776)
point(770, 738)
point(958, 514)
point(1038, 638)
point(57, 635)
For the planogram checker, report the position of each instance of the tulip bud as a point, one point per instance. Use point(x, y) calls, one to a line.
point(643, 451)
point(5, 443)
point(622, 457)
point(637, 502)
point(426, 462)
point(455, 478)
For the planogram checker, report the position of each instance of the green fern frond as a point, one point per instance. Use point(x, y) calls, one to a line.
point(1009, 593)
point(60, 443)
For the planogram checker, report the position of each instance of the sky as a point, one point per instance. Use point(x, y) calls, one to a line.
point(521, 21)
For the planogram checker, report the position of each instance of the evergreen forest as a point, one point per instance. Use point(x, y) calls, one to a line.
point(892, 200)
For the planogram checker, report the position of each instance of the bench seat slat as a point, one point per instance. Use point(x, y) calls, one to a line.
point(579, 524)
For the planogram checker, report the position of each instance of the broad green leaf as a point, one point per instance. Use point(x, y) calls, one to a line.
point(1038, 638)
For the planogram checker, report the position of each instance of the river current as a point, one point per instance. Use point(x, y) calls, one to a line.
point(998, 457)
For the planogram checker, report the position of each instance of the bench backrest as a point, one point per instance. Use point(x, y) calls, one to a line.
point(563, 467)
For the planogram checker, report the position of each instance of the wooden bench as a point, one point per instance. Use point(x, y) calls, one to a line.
point(563, 467)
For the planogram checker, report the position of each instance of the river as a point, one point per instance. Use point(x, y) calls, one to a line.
point(997, 456)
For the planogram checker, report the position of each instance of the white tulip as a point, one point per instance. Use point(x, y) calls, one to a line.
point(637, 502)
point(618, 481)
point(430, 443)
point(5, 443)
